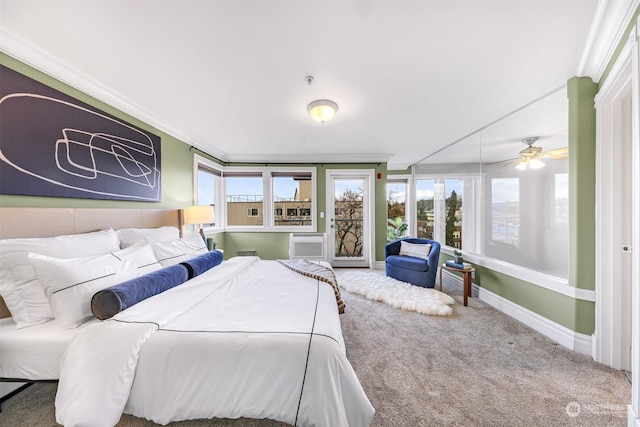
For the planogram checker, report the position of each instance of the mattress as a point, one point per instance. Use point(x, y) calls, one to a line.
point(33, 353)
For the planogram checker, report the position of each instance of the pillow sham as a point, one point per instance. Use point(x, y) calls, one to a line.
point(131, 236)
point(178, 250)
point(108, 302)
point(19, 284)
point(69, 284)
point(416, 250)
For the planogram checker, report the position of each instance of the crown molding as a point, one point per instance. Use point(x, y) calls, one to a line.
point(607, 28)
point(24, 51)
point(398, 166)
point(309, 158)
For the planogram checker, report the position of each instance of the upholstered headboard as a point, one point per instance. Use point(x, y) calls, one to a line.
point(47, 222)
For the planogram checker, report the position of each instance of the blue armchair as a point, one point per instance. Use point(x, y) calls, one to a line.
point(417, 271)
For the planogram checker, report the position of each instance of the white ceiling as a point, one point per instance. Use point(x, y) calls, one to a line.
point(410, 77)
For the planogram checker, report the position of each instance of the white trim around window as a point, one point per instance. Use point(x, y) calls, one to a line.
point(268, 174)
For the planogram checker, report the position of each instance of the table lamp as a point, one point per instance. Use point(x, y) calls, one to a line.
point(199, 215)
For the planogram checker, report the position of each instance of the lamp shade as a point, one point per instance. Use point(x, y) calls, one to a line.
point(322, 110)
point(199, 215)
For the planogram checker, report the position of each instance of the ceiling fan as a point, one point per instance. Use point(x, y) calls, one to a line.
point(531, 156)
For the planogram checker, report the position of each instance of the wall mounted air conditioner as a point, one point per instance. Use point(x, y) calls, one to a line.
point(309, 246)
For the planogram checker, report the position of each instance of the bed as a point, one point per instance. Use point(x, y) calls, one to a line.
point(245, 338)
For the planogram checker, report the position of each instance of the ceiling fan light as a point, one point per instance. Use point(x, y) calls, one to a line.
point(536, 164)
point(322, 110)
point(521, 166)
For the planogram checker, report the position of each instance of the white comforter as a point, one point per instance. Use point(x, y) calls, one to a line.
point(248, 338)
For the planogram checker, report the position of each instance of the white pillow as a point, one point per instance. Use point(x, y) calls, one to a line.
point(19, 285)
point(178, 250)
point(417, 250)
point(69, 284)
point(131, 236)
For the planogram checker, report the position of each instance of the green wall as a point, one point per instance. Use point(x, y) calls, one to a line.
point(268, 245)
point(577, 315)
point(176, 158)
point(582, 182)
point(574, 314)
point(177, 182)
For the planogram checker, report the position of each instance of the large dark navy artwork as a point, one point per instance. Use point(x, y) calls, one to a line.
point(54, 145)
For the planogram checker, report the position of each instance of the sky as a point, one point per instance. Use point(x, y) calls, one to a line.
point(283, 187)
point(424, 189)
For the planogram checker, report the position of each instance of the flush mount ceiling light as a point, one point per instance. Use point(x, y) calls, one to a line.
point(322, 110)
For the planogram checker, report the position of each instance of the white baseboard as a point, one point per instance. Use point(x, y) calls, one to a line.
point(379, 265)
point(633, 419)
point(572, 340)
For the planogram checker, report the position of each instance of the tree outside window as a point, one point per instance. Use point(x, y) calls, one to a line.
point(348, 223)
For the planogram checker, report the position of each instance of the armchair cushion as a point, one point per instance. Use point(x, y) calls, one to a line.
point(408, 262)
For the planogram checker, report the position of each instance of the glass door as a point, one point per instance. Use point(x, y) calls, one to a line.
point(349, 219)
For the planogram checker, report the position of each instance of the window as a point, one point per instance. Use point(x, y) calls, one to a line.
point(562, 198)
point(207, 181)
point(257, 198)
point(453, 216)
point(439, 209)
point(424, 208)
point(397, 218)
point(293, 194)
point(505, 210)
point(244, 192)
point(527, 216)
point(475, 195)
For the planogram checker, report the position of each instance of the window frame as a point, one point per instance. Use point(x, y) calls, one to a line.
point(409, 195)
point(471, 200)
point(268, 197)
point(200, 162)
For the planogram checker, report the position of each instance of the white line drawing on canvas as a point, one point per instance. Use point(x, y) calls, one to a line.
point(97, 155)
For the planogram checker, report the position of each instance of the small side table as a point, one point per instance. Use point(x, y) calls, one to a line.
point(466, 276)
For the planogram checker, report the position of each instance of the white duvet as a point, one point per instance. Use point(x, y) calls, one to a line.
point(248, 338)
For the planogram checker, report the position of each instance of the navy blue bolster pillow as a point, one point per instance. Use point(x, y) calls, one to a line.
point(111, 301)
point(202, 263)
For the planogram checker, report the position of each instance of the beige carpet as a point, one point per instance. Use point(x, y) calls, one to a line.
point(477, 367)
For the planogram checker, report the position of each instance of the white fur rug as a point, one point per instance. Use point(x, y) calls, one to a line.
point(397, 294)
